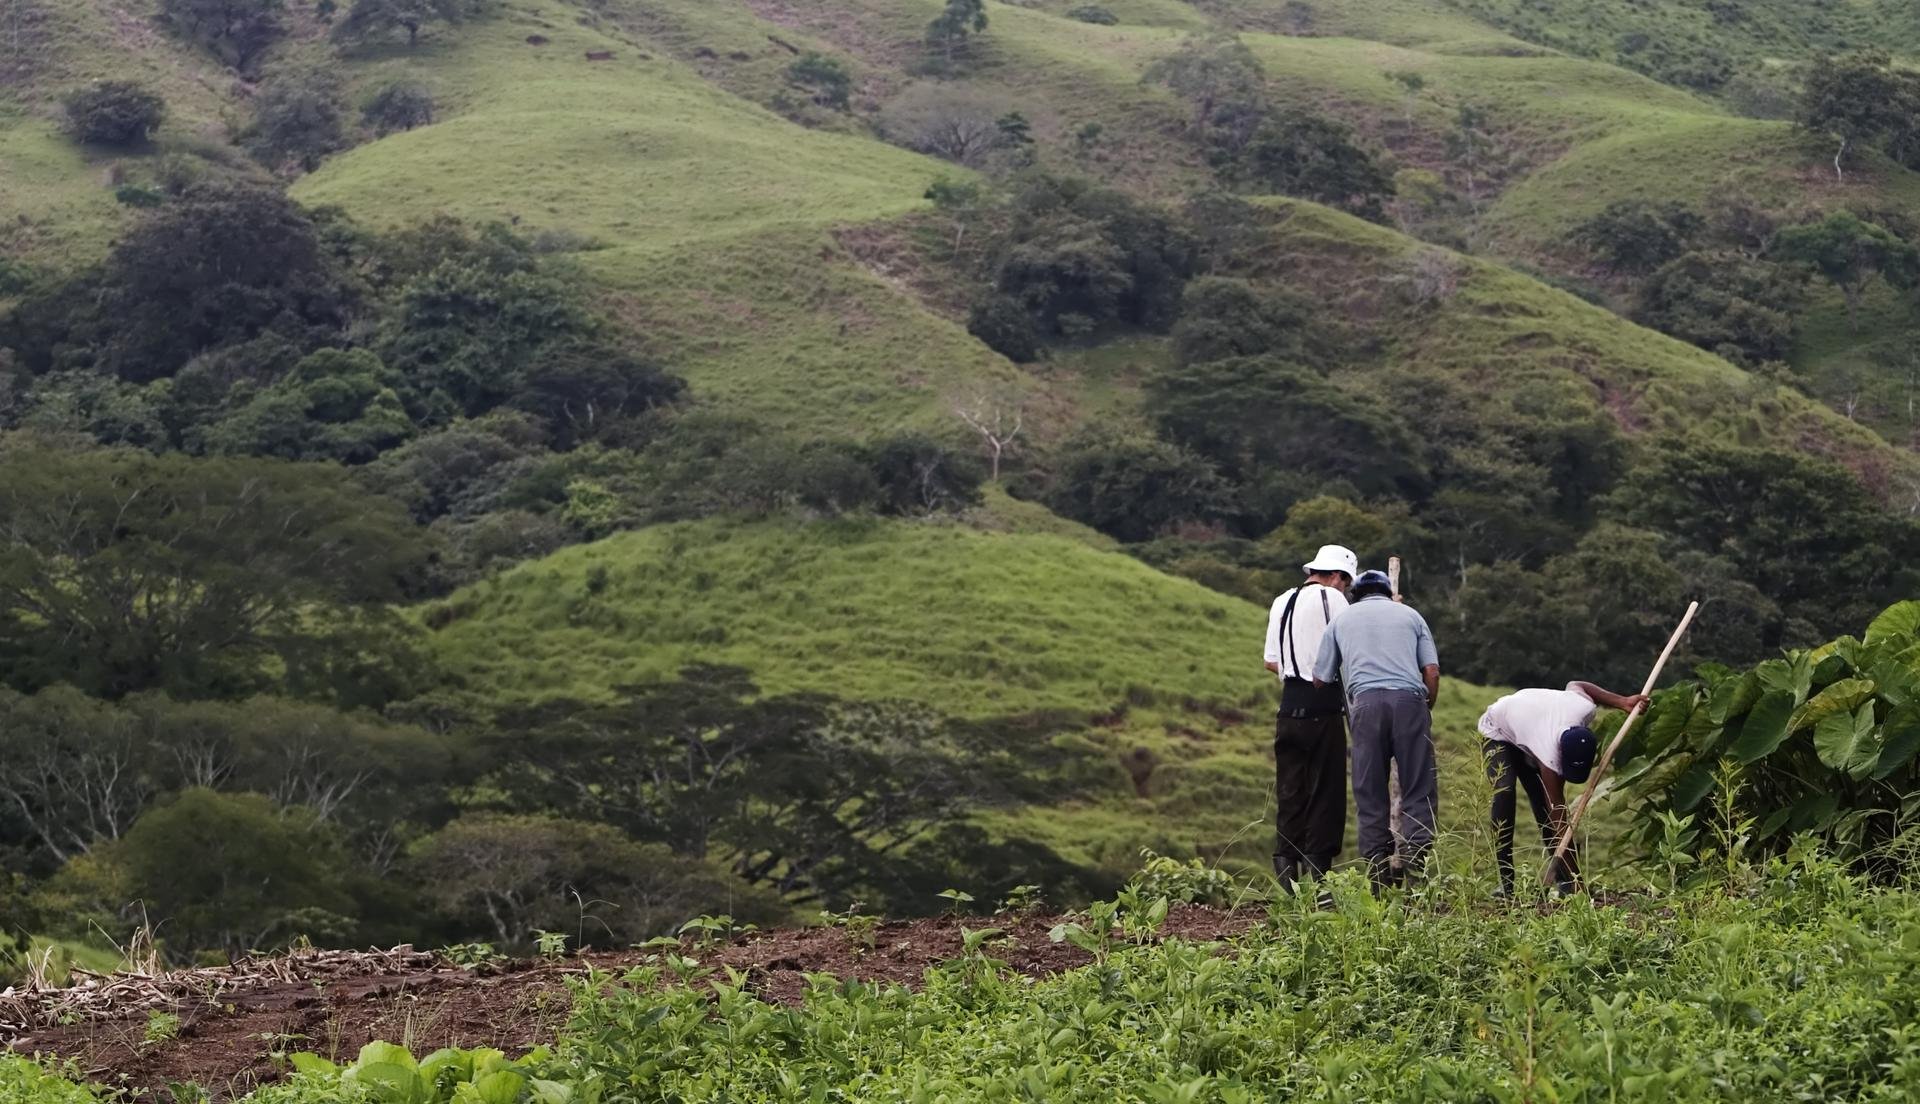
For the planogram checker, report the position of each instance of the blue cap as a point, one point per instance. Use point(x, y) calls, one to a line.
point(1371, 582)
point(1577, 747)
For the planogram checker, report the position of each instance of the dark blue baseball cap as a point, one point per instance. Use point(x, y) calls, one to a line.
point(1577, 748)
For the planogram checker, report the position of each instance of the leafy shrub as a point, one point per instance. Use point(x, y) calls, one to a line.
point(114, 113)
point(1734, 305)
point(1093, 13)
point(1315, 157)
point(1637, 235)
point(919, 475)
point(1222, 317)
point(297, 120)
point(1266, 423)
point(828, 79)
point(398, 105)
point(1819, 741)
point(1006, 327)
point(1081, 257)
point(1135, 489)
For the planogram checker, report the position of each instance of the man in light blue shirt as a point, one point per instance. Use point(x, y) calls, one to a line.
point(1383, 653)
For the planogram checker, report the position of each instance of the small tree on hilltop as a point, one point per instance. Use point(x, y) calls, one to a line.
point(114, 113)
point(827, 79)
point(1854, 100)
point(401, 105)
point(370, 18)
point(961, 20)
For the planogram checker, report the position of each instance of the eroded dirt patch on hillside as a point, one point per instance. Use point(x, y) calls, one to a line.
point(236, 1024)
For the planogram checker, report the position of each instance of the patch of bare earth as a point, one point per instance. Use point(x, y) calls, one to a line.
point(238, 1022)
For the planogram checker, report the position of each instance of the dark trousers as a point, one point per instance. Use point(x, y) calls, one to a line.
point(1394, 728)
point(1310, 794)
point(1507, 764)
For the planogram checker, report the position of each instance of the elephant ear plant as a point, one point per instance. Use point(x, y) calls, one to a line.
point(1820, 741)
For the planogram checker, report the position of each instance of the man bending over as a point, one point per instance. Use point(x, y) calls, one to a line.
point(1541, 739)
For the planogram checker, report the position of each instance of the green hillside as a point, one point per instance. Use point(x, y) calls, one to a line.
point(1163, 673)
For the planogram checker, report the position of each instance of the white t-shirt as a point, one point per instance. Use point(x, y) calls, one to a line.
point(1534, 720)
point(1311, 617)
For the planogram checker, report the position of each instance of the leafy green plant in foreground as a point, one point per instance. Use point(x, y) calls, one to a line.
point(387, 1074)
point(1818, 741)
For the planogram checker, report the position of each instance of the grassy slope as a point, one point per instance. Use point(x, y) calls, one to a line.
point(56, 196)
point(972, 623)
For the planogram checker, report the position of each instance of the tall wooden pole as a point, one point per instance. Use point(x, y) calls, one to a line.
point(1600, 768)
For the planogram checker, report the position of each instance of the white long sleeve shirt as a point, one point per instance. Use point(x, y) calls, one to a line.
point(1316, 609)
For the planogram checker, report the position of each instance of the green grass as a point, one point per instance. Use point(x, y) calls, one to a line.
point(58, 205)
point(636, 151)
point(972, 623)
point(789, 328)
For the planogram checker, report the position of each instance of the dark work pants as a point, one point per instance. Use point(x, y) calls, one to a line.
point(1507, 764)
point(1394, 728)
point(1310, 793)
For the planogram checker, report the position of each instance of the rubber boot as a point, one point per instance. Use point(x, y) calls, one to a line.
point(1286, 870)
point(1383, 873)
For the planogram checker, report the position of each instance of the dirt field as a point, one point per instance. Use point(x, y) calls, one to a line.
point(237, 1023)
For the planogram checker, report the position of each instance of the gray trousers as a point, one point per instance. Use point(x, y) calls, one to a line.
point(1393, 727)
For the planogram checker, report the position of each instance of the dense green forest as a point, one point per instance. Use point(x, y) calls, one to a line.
point(473, 458)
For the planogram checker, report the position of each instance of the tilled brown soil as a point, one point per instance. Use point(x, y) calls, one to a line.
point(233, 1036)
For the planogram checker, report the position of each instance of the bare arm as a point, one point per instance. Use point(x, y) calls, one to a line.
point(1430, 674)
point(1272, 666)
point(1601, 696)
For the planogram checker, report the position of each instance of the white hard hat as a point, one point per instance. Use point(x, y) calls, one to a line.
point(1334, 557)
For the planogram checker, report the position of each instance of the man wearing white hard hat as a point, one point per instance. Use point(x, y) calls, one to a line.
point(1310, 732)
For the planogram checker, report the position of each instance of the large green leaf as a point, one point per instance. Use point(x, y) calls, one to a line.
point(498, 1087)
point(1667, 718)
point(1830, 668)
point(1900, 738)
point(1902, 619)
point(1812, 812)
point(1703, 732)
point(1895, 681)
point(1651, 775)
point(1844, 696)
point(1793, 674)
point(1765, 726)
point(1692, 786)
point(1849, 742)
point(1734, 697)
point(378, 1052)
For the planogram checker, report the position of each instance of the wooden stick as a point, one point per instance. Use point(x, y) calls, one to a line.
point(1606, 759)
point(1393, 574)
